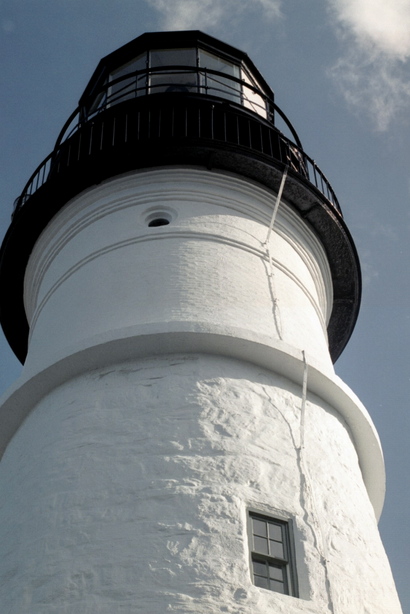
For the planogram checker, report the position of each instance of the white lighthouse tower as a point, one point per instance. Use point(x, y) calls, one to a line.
point(178, 280)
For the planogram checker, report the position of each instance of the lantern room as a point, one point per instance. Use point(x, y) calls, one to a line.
point(180, 62)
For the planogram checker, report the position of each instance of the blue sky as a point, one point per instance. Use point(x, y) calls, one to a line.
point(340, 70)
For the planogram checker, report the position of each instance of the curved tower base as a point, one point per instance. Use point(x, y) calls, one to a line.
point(135, 491)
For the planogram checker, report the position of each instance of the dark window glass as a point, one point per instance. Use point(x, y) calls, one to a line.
point(276, 573)
point(278, 587)
point(259, 568)
point(172, 57)
point(218, 85)
point(128, 87)
point(259, 527)
point(261, 544)
point(262, 582)
point(165, 79)
point(272, 567)
point(276, 550)
point(275, 531)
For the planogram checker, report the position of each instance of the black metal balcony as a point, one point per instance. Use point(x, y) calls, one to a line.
point(185, 106)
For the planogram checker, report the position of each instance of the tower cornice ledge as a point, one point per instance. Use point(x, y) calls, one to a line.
point(196, 337)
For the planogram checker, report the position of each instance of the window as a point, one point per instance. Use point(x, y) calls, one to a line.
point(251, 99)
point(129, 87)
point(272, 558)
point(163, 79)
point(218, 85)
point(190, 69)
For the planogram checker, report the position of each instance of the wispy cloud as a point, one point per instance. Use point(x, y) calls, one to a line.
point(384, 24)
point(372, 74)
point(369, 271)
point(203, 14)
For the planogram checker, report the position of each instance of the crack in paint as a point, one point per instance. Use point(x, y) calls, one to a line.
point(306, 496)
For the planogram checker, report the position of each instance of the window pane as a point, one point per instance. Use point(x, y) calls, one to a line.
point(209, 60)
point(259, 527)
point(262, 582)
point(98, 102)
point(276, 549)
point(278, 587)
point(251, 99)
point(128, 87)
point(173, 57)
point(138, 63)
point(222, 87)
point(217, 85)
point(275, 532)
point(259, 568)
point(261, 545)
point(276, 572)
point(173, 80)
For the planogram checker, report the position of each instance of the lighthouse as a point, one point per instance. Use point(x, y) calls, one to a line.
point(178, 281)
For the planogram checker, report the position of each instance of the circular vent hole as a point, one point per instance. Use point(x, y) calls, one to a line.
point(158, 221)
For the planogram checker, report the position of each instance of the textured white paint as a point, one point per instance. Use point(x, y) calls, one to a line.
point(127, 489)
point(98, 267)
point(231, 342)
point(161, 399)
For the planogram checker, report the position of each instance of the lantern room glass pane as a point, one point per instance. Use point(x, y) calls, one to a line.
point(99, 101)
point(251, 99)
point(172, 57)
point(218, 85)
point(128, 87)
point(165, 79)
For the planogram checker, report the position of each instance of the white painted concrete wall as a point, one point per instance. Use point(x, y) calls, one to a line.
point(127, 485)
point(99, 267)
point(127, 489)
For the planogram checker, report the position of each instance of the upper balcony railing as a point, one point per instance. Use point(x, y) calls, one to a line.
point(246, 120)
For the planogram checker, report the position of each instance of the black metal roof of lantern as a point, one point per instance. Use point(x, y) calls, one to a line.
point(168, 99)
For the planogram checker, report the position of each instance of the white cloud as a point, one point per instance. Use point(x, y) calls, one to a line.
point(384, 24)
point(372, 84)
point(372, 74)
point(369, 271)
point(203, 14)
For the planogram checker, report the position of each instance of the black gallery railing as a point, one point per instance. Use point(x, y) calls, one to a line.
point(164, 112)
